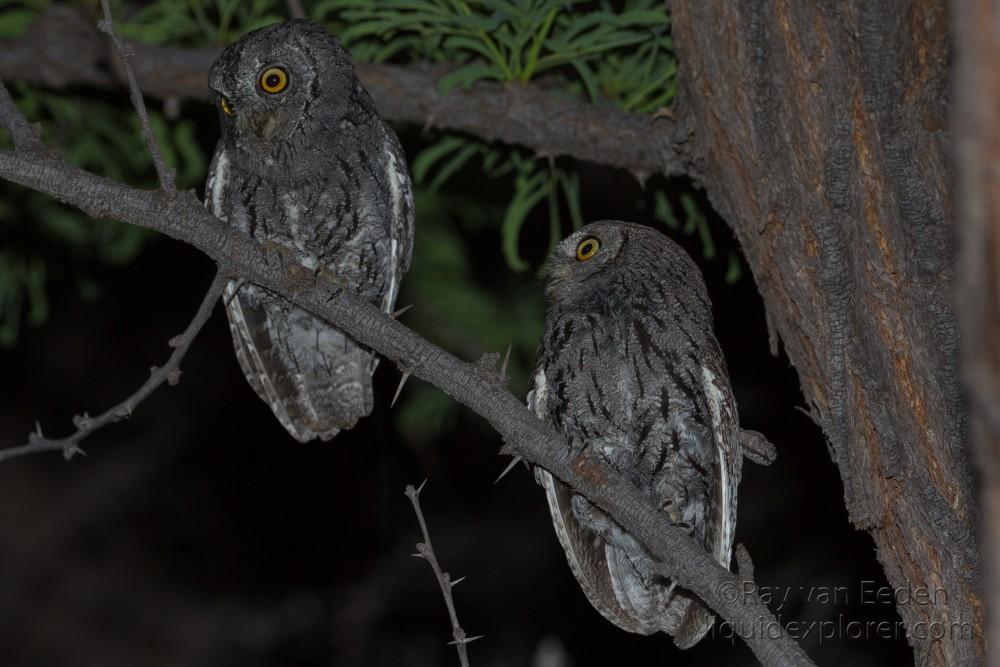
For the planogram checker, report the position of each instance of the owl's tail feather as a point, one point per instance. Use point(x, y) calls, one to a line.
point(655, 603)
point(316, 379)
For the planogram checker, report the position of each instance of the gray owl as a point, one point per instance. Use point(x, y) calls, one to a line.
point(630, 369)
point(304, 161)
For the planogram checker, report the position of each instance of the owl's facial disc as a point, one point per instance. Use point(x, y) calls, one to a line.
point(264, 83)
point(580, 260)
point(282, 91)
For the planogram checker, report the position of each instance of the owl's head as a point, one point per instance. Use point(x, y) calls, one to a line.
point(603, 256)
point(279, 86)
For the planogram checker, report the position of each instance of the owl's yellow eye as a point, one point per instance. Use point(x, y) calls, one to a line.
point(226, 109)
point(587, 248)
point(273, 80)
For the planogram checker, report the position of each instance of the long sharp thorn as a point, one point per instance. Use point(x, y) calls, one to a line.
point(465, 640)
point(399, 389)
point(421, 487)
point(456, 582)
point(503, 366)
point(399, 312)
point(514, 462)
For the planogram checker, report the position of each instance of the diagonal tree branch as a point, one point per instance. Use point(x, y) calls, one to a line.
point(169, 373)
point(181, 216)
point(62, 49)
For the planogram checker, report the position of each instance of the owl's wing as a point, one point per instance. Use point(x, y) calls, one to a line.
point(728, 455)
point(607, 570)
point(584, 549)
point(305, 370)
point(402, 223)
point(728, 462)
point(269, 378)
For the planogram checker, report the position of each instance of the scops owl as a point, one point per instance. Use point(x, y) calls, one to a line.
point(629, 368)
point(304, 161)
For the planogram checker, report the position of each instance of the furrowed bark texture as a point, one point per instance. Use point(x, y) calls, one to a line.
point(976, 124)
point(819, 131)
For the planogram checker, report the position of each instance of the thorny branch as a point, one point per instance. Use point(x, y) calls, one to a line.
point(126, 53)
point(170, 373)
point(425, 550)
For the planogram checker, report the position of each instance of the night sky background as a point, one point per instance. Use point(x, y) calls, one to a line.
point(199, 533)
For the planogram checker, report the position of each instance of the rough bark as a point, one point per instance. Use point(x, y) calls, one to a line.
point(976, 124)
point(819, 131)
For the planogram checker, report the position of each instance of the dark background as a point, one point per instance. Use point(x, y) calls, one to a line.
point(199, 533)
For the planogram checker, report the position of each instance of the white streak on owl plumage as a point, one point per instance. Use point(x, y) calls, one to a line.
point(717, 404)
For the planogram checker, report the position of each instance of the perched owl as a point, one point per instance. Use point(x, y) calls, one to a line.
point(305, 161)
point(630, 369)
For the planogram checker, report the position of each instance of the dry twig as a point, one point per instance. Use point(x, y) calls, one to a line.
point(169, 373)
point(126, 53)
point(425, 550)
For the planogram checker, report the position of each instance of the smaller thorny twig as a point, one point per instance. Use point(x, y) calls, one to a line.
point(26, 138)
point(125, 52)
point(426, 551)
point(169, 373)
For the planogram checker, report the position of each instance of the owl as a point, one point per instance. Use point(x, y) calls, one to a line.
point(630, 370)
point(304, 161)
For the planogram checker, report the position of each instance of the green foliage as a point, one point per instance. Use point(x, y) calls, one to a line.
point(103, 138)
point(199, 22)
point(534, 182)
point(18, 15)
point(623, 55)
point(461, 309)
point(22, 279)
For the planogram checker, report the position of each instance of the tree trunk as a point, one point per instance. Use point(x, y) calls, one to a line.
point(977, 132)
point(820, 132)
